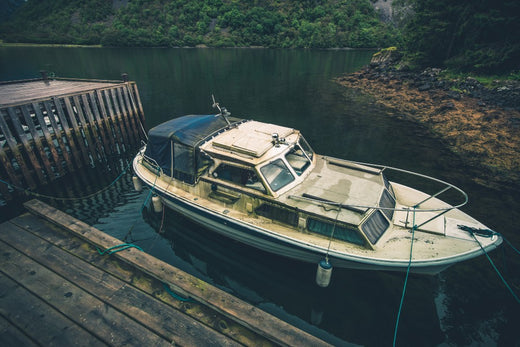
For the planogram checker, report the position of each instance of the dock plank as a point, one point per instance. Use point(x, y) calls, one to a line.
point(249, 316)
point(34, 320)
point(10, 335)
point(87, 311)
point(156, 316)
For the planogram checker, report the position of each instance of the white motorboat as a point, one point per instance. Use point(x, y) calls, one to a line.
point(263, 185)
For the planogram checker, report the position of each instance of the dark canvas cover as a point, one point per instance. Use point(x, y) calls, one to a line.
point(187, 130)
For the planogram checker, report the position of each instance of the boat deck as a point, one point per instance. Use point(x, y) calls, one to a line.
point(55, 288)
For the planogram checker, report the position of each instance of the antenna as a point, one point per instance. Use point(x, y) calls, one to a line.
point(223, 112)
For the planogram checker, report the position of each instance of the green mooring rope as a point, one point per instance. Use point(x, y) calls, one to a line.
point(405, 280)
point(118, 248)
point(495, 268)
point(176, 296)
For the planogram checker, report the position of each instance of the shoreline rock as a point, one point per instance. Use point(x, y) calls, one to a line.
point(480, 125)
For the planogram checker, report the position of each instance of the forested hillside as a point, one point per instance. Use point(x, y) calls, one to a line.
point(217, 23)
point(465, 35)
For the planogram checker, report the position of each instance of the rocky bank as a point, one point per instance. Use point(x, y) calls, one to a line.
point(481, 125)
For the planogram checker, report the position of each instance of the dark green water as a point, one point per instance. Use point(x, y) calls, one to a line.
point(465, 305)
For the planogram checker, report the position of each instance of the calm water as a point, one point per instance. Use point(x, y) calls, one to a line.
point(465, 305)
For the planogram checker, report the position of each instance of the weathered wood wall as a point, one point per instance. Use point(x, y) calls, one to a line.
point(51, 128)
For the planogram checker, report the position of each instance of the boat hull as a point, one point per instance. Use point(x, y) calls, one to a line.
point(267, 241)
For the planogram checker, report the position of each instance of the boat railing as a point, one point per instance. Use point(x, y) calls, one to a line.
point(151, 164)
point(446, 186)
point(411, 208)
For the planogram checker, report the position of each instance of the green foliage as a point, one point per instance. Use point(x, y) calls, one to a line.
point(217, 23)
point(467, 35)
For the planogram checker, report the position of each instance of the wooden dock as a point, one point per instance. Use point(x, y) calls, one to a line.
point(56, 289)
point(49, 128)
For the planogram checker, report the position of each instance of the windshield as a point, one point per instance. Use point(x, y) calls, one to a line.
point(297, 159)
point(277, 174)
point(306, 148)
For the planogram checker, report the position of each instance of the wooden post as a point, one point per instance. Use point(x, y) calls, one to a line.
point(38, 142)
point(118, 128)
point(48, 137)
point(126, 118)
point(13, 146)
point(58, 106)
point(58, 136)
point(78, 131)
point(92, 141)
point(27, 146)
point(119, 116)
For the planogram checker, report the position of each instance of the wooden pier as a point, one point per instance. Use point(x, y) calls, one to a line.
point(49, 128)
point(56, 289)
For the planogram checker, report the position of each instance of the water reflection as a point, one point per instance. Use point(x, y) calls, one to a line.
point(354, 306)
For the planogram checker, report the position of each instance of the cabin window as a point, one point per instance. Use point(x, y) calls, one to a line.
point(297, 159)
point(239, 175)
point(387, 201)
point(278, 213)
point(277, 174)
point(375, 226)
point(388, 186)
point(184, 165)
point(349, 234)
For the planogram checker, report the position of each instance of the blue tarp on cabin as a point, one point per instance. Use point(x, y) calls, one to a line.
point(183, 135)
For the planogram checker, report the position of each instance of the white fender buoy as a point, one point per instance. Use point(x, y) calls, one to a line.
point(138, 186)
point(323, 273)
point(157, 204)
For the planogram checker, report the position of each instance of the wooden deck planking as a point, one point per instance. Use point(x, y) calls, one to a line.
point(10, 335)
point(33, 319)
point(96, 288)
point(141, 281)
point(13, 93)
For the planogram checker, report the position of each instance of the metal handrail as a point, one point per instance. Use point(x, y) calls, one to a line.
point(442, 210)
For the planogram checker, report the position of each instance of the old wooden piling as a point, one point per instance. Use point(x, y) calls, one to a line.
point(56, 289)
point(49, 128)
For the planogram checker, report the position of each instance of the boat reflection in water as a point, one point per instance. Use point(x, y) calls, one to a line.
point(286, 288)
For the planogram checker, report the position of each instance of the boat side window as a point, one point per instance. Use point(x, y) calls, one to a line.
point(375, 226)
point(277, 213)
point(277, 174)
point(184, 166)
point(238, 175)
point(345, 233)
point(388, 202)
point(297, 159)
